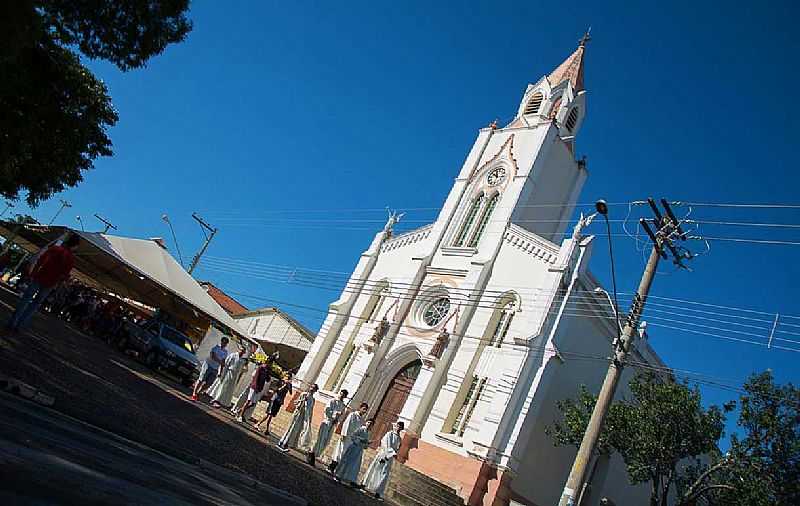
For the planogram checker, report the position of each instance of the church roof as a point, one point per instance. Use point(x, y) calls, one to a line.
point(571, 69)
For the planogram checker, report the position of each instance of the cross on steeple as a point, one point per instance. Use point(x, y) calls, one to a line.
point(586, 38)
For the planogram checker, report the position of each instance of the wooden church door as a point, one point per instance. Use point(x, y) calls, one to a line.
point(393, 401)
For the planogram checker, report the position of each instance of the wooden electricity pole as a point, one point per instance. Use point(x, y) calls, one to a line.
point(204, 226)
point(665, 229)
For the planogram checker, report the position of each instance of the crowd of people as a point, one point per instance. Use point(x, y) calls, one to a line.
point(45, 283)
point(219, 375)
point(47, 286)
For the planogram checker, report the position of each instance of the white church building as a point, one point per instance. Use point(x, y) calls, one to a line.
point(471, 328)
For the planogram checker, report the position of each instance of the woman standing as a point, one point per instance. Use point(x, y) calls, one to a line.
point(282, 389)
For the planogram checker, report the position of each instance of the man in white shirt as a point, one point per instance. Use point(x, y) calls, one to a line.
point(352, 423)
point(377, 475)
point(211, 367)
point(333, 412)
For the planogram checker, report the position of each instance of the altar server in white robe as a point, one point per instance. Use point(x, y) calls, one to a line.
point(352, 423)
point(377, 475)
point(333, 413)
point(298, 435)
point(348, 468)
point(222, 390)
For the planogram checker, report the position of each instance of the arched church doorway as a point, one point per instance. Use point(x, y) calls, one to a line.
point(393, 400)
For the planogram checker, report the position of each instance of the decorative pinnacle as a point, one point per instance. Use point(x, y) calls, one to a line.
point(586, 37)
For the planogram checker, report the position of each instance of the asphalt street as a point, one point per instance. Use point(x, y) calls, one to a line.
point(94, 383)
point(49, 458)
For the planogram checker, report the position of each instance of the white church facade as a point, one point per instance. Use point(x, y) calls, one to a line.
point(470, 329)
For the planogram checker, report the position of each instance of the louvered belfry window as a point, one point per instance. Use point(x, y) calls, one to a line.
point(534, 103)
point(572, 119)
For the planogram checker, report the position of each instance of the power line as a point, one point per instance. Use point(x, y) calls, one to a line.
point(573, 311)
point(745, 240)
point(737, 205)
point(324, 275)
point(577, 313)
point(743, 224)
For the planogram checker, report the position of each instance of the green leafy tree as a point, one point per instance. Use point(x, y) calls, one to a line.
point(763, 463)
point(54, 113)
point(659, 432)
point(668, 439)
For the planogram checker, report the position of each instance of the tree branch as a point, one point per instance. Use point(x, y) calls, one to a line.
point(706, 489)
point(700, 479)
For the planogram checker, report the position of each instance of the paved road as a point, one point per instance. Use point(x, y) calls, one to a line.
point(94, 383)
point(48, 458)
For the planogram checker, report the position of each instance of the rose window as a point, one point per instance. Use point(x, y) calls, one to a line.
point(436, 311)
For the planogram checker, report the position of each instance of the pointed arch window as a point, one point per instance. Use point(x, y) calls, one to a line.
point(484, 221)
point(469, 220)
point(503, 324)
point(467, 407)
point(534, 104)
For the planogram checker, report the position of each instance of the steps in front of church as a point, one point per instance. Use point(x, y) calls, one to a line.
point(406, 486)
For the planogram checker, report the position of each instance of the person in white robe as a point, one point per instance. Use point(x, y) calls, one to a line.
point(333, 413)
point(298, 435)
point(222, 390)
point(352, 423)
point(348, 468)
point(377, 475)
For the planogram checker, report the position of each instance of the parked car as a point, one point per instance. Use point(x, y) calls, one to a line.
point(163, 348)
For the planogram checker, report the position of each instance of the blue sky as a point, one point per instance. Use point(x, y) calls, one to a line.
point(268, 114)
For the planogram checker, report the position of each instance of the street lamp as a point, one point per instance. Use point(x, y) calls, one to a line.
point(600, 290)
point(81, 222)
point(602, 208)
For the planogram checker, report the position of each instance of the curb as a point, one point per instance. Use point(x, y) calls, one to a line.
point(26, 391)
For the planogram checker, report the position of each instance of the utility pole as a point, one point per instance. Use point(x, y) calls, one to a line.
point(9, 205)
point(108, 223)
point(665, 229)
point(165, 217)
point(64, 204)
point(205, 227)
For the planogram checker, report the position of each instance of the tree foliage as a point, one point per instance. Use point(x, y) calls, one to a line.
point(54, 113)
point(656, 431)
point(668, 439)
point(764, 460)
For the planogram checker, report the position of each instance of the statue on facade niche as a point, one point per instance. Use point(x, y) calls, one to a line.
point(380, 331)
point(442, 340)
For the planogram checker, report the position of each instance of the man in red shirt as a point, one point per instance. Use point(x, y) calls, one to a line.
point(258, 387)
point(52, 268)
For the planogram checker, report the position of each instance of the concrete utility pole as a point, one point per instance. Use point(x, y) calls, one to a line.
point(666, 228)
point(64, 204)
point(108, 223)
point(204, 226)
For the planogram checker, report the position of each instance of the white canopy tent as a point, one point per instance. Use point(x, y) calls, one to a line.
point(138, 269)
point(150, 259)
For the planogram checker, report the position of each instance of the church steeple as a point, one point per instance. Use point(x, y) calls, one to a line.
point(558, 97)
point(572, 68)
